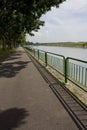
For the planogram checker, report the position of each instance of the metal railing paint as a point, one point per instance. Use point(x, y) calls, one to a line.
point(72, 69)
point(77, 71)
point(56, 61)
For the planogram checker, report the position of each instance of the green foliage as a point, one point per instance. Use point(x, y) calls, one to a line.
point(18, 17)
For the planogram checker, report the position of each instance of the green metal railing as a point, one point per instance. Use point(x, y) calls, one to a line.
point(72, 69)
point(41, 55)
point(56, 61)
point(77, 71)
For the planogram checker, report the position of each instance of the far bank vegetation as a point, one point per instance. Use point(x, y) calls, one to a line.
point(65, 44)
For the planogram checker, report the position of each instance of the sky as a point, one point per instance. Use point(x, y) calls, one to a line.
point(68, 23)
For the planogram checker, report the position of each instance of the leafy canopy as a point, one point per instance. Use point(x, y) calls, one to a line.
point(18, 17)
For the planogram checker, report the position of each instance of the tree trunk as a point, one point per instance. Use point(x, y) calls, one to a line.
point(3, 44)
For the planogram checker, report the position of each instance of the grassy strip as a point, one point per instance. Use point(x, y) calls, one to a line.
point(5, 53)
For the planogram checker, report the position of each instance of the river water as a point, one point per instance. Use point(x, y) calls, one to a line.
point(78, 53)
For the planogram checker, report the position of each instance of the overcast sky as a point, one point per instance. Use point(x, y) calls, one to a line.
point(66, 23)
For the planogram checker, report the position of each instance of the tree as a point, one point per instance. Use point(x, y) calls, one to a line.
point(18, 17)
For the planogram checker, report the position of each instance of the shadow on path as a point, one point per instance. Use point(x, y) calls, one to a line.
point(12, 118)
point(15, 55)
point(11, 69)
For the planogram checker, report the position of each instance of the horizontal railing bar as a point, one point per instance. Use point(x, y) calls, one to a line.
point(51, 53)
point(76, 59)
point(56, 54)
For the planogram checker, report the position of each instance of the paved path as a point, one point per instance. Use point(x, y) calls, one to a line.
point(26, 101)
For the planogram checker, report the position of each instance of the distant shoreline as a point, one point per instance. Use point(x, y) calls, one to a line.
point(65, 44)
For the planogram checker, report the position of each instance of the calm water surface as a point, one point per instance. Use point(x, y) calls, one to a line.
point(78, 53)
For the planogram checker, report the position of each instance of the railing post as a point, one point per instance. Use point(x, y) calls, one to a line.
point(46, 58)
point(34, 52)
point(38, 54)
point(66, 69)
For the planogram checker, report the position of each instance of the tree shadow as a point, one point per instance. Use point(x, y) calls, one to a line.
point(10, 57)
point(14, 55)
point(13, 58)
point(12, 118)
point(19, 53)
point(11, 69)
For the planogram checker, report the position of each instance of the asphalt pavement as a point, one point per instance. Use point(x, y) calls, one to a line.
point(26, 100)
